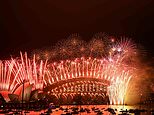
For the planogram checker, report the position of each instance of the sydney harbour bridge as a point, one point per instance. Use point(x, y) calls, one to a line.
point(102, 70)
point(92, 88)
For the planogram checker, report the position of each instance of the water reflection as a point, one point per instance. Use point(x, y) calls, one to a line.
point(117, 109)
point(93, 110)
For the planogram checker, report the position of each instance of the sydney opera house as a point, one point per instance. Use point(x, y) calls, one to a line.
point(25, 94)
point(24, 97)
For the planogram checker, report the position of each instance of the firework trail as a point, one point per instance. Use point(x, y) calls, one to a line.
point(119, 75)
point(15, 71)
point(6, 70)
point(102, 58)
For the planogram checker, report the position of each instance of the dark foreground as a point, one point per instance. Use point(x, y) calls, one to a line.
point(85, 110)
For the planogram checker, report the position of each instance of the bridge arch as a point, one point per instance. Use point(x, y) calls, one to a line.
point(63, 77)
point(69, 91)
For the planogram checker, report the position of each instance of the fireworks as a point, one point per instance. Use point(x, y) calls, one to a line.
point(15, 71)
point(6, 69)
point(74, 61)
point(116, 73)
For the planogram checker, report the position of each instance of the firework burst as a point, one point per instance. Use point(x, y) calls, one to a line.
point(118, 74)
point(102, 58)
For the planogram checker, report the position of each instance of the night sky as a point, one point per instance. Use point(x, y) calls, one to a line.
point(30, 24)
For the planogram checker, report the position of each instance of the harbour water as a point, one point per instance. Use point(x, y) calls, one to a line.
point(102, 108)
